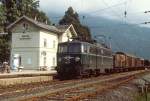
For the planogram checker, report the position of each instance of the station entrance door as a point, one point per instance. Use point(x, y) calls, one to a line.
point(16, 61)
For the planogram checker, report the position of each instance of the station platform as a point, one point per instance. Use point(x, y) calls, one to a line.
point(25, 76)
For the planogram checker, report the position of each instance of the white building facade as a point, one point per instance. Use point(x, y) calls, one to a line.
point(34, 44)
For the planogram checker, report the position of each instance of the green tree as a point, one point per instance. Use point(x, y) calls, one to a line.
point(4, 50)
point(26, 6)
point(71, 17)
point(10, 11)
point(2, 17)
point(17, 8)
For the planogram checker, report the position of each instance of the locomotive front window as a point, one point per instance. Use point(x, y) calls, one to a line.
point(71, 48)
point(74, 48)
point(62, 49)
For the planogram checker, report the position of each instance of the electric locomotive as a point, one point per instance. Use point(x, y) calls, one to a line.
point(77, 59)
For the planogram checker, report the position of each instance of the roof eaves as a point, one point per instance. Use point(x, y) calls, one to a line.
point(40, 25)
point(11, 25)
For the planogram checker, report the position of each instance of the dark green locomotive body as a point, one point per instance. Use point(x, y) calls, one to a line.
point(75, 59)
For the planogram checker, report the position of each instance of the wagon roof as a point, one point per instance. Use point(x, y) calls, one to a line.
point(127, 54)
point(120, 53)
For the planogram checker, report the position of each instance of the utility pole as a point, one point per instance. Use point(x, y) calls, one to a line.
point(147, 83)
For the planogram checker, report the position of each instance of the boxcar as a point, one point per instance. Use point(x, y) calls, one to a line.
point(128, 62)
point(146, 63)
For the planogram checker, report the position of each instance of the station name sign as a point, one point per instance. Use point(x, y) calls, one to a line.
point(25, 37)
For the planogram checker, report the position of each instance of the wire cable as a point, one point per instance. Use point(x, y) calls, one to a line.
point(100, 10)
point(115, 13)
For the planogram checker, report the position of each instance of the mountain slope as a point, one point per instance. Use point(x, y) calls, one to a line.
point(124, 37)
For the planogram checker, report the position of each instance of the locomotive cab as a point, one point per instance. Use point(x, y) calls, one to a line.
point(68, 59)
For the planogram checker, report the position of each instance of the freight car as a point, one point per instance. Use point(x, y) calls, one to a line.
point(147, 63)
point(77, 59)
point(127, 62)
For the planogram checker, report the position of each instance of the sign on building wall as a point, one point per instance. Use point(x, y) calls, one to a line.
point(25, 37)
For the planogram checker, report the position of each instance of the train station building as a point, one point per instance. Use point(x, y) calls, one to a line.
point(34, 44)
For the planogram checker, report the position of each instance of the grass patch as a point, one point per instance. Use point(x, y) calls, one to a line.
point(143, 97)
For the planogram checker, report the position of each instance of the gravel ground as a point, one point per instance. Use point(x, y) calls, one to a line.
point(125, 92)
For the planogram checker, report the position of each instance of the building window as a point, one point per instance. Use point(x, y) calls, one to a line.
point(20, 62)
point(54, 43)
point(44, 61)
point(45, 43)
point(29, 61)
point(43, 53)
point(53, 61)
point(25, 27)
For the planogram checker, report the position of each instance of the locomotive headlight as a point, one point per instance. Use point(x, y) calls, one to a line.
point(77, 59)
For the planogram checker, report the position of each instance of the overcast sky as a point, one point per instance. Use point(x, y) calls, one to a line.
point(112, 9)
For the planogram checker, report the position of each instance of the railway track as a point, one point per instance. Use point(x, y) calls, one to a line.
point(82, 92)
point(72, 89)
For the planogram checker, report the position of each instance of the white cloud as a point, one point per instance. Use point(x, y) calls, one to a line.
point(78, 5)
point(135, 8)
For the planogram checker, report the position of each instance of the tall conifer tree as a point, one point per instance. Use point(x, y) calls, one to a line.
point(71, 17)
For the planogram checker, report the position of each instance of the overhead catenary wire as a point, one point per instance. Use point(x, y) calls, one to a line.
point(108, 7)
point(85, 16)
point(103, 9)
point(122, 11)
point(147, 12)
point(125, 11)
point(135, 13)
point(113, 11)
point(135, 24)
point(114, 6)
point(123, 16)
